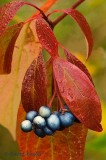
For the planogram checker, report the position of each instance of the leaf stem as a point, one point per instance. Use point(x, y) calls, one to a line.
point(75, 5)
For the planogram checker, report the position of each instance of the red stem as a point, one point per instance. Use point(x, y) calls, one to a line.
point(50, 104)
point(64, 14)
point(61, 104)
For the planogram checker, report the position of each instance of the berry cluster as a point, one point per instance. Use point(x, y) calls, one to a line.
point(45, 122)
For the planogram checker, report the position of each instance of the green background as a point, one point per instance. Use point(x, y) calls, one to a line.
point(69, 34)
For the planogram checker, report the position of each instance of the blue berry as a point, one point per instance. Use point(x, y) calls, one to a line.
point(44, 111)
point(31, 115)
point(39, 122)
point(66, 119)
point(48, 131)
point(53, 122)
point(39, 132)
point(57, 114)
point(26, 126)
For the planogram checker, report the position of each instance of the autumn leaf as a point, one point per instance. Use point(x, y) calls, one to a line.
point(84, 26)
point(67, 144)
point(78, 93)
point(7, 13)
point(81, 21)
point(34, 87)
point(7, 44)
point(74, 60)
point(46, 37)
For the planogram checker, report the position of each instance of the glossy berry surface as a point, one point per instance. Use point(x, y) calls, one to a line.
point(31, 115)
point(44, 111)
point(53, 122)
point(26, 126)
point(39, 132)
point(39, 121)
point(48, 131)
point(66, 119)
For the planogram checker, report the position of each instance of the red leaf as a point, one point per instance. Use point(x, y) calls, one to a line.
point(81, 21)
point(34, 87)
point(74, 60)
point(46, 37)
point(64, 145)
point(7, 42)
point(7, 13)
point(78, 93)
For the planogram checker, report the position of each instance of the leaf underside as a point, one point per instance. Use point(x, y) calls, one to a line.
point(78, 93)
point(34, 87)
point(64, 145)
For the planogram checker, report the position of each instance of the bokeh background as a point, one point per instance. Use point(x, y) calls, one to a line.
point(69, 34)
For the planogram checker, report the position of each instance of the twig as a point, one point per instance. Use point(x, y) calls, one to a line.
point(54, 95)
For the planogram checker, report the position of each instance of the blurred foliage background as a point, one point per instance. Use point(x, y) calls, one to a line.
point(69, 34)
